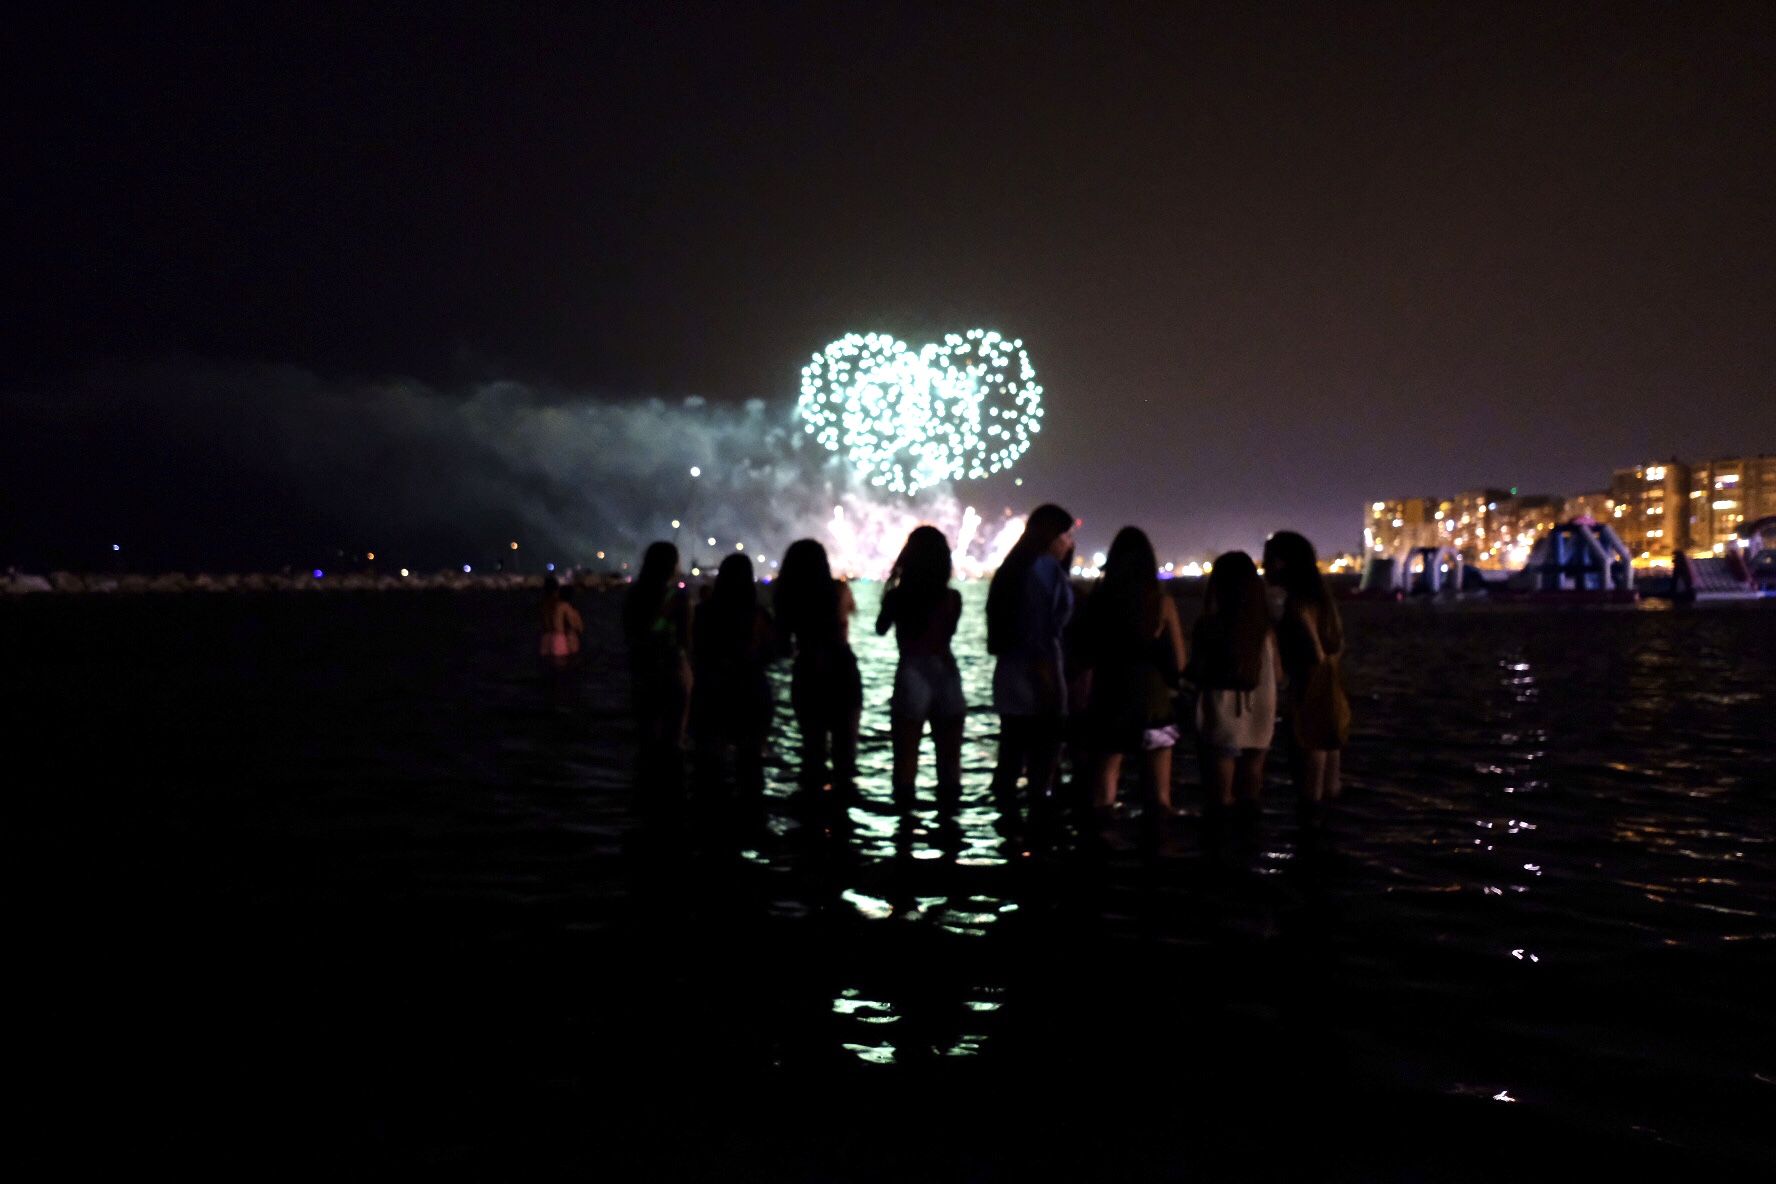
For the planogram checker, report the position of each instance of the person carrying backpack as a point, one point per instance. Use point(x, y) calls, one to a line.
point(1234, 664)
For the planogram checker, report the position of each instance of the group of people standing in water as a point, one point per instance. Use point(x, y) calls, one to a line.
point(1099, 675)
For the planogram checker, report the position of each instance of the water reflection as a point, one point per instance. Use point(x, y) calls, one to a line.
point(1545, 754)
point(1590, 789)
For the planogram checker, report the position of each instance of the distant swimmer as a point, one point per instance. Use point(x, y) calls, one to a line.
point(562, 625)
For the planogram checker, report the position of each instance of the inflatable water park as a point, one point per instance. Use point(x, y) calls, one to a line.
point(1581, 562)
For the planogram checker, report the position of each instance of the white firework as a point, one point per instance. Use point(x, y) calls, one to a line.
point(964, 408)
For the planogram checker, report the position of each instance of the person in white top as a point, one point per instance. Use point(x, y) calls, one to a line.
point(1234, 664)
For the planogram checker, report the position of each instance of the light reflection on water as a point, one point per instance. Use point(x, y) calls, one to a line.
point(1510, 774)
point(1625, 720)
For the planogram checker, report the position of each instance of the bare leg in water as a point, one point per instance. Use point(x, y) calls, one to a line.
point(1159, 775)
point(813, 752)
point(1217, 774)
point(1248, 774)
point(1044, 754)
point(906, 735)
point(844, 745)
point(1014, 736)
point(946, 735)
point(1109, 773)
point(1313, 775)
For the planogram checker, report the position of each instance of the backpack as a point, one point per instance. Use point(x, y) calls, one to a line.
point(1213, 664)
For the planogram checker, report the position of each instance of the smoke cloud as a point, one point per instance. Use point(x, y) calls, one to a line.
point(236, 467)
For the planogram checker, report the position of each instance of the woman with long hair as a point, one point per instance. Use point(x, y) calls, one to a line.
point(1028, 604)
point(814, 616)
point(1131, 638)
point(1233, 663)
point(1310, 639)
point(655, 624)
point(731, 699)
point(923, 610)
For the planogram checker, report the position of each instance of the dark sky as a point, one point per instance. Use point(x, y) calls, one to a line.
point(1270, 263)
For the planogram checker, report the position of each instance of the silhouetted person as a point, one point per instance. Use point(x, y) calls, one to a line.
point(923, 610)
point(1131, 638)
point(1683, 578)
point(814, 615)
point(654, 626)
point(1028, 604)
point(731, 697)
point(1235, 666)
point(1310, 638)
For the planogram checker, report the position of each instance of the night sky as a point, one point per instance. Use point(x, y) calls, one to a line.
point(1269, 263)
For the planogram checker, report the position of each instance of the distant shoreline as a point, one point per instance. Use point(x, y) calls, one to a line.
point(16, 584)
point(77, 583)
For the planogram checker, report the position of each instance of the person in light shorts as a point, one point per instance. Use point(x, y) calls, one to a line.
point(922, 609)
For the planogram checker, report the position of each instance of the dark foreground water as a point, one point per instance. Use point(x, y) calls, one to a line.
point(345, 882)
